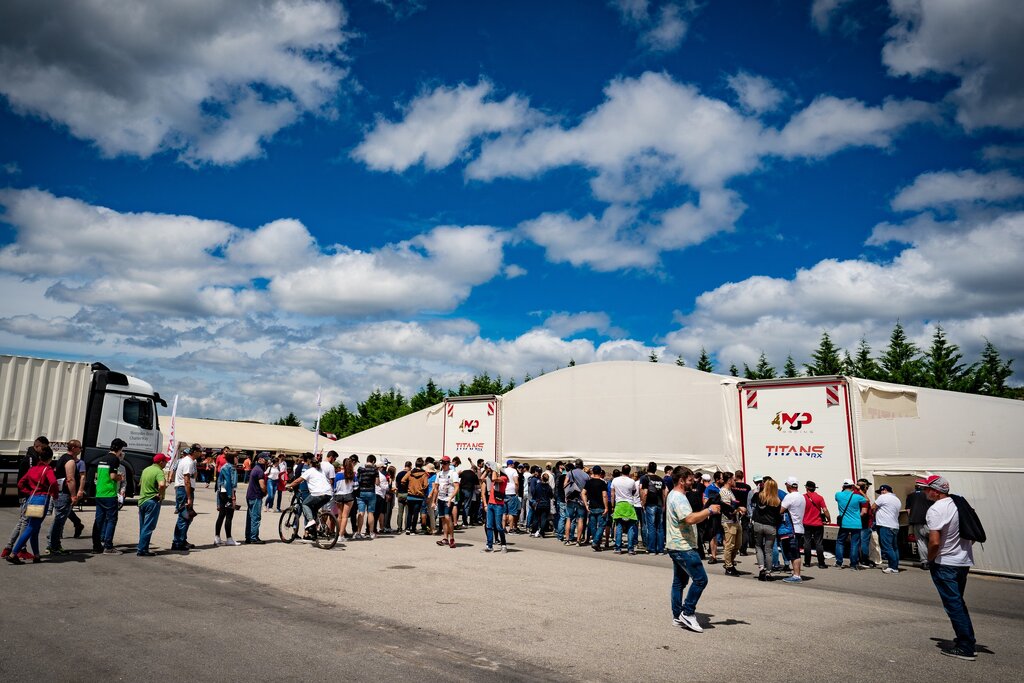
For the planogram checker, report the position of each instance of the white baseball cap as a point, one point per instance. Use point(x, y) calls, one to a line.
point(847, 482)
point(705, 477)
point(792, 481)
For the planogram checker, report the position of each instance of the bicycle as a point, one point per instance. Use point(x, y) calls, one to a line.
point(325, 533)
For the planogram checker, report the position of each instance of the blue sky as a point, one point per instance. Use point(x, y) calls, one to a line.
point(245, 200)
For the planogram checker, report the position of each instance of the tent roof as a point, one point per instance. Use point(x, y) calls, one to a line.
point(246, 436)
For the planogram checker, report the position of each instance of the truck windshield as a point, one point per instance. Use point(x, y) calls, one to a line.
point(139, 412)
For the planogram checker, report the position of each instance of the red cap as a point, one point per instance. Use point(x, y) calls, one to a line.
point(446, 459)
point(160, 459)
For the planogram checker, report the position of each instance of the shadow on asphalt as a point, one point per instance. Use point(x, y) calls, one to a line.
point(942, 643)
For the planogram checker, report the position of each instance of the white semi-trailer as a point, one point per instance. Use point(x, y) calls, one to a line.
point(472, 428)
point(65, 400)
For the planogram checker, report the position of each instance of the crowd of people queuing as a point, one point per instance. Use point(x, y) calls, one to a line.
point(671, 511)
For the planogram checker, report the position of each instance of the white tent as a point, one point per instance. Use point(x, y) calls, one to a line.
point(245, 436)
point(634, 412)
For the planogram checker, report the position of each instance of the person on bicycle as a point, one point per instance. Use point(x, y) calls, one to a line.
point(320, 490)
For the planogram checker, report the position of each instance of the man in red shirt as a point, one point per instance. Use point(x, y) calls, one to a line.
point(815, 517)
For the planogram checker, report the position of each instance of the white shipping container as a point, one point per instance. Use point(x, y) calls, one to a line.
point(41, 397)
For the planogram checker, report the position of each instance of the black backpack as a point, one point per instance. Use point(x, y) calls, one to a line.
point(970, 524)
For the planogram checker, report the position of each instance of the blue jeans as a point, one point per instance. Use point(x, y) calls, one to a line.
point(596, 526)
point(951, 583)
point(253, 515)
point(106, 520)
point(574, 511)
point(865, 545)
point(654, 529)
point(854, 536)
point(495, 525)
point(61, 510)
point(149, 513)
point(630, 525)
point(686, 565)
point(366, 502)
point(887, 539)
point(183, 523)
point(29, 534)
point(271, 491)
point(560, 526)
point(512, 507)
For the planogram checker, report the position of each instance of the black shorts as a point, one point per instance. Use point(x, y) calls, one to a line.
point(382, 506)
point(790, 547)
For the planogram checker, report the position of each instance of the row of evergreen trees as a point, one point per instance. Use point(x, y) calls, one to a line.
point(941, 366)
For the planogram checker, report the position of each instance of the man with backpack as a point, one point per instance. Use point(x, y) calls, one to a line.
point(575, 512)
point(953, 527)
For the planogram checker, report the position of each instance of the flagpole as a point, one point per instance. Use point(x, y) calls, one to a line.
point(172, 442)
point(316, 430)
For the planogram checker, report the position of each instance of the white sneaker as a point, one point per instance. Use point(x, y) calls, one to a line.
point(230, 541)
point(217, 541)
point(372, 536)
point(890, 570)
point(310, 524)
point(504, 549)
point(690, 622)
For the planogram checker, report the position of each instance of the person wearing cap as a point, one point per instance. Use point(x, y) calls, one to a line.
point(254, 494)
point(816, 516)
point(428, 516)
point(950, 558)
point(184, 496)
point(152, 485)
point(867, 525)
point(887, 520)
point(446, 488)
point(849, 502)
point(732, 530)
point(794, 504)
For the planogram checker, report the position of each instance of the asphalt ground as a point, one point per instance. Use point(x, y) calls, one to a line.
point(402, 606)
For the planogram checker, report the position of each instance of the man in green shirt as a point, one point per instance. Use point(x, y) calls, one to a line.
point(151, 493)
point(107, 478)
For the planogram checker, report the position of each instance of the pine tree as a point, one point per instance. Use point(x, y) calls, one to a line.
point(901, 362)
point(704, 362)
point(337, 421)
point(789, 369)
point(942, 368)
point(526, 378)
point(380, 407)
point(764, 370)
point(826, 359)
point(653, 357)
point(680, 362)
point(426, 397)
point(864, 366)
point(572, 363)
point(748, 373)
point(847, 364)
point(733, 371)
point(992, 372)
point(289, 420)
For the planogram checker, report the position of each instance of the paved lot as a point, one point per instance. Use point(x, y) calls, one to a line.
point(402, 605)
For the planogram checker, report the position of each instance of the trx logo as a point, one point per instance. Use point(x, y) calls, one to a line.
point(792, 420)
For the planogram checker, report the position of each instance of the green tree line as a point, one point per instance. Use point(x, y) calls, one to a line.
point(940, 366)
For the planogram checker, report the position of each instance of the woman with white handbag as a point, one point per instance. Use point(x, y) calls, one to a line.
point(39, 485)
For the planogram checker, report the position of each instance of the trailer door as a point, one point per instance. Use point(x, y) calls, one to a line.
point(799, 428)
point(471, 428)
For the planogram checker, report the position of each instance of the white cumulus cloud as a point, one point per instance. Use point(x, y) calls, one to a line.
point(211, 81)
point(978, 42)
point(943, 188)
point(756, 94)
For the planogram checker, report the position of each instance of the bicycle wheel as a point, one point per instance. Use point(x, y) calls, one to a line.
point(286, 526)
point(327, 531)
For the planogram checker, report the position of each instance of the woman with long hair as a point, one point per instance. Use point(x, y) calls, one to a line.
point(38, 485)
point(344, 481)
point(227, 481)
point(765, 517)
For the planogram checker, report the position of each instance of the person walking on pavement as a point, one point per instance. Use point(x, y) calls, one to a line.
point(950, 558)
point(66, 472)
point(152, 485)
point(37, 485)
point(682, 545)
point(887, 520)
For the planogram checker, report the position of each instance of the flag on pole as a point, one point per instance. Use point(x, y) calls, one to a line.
point(172, 442)
point(316, 430)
